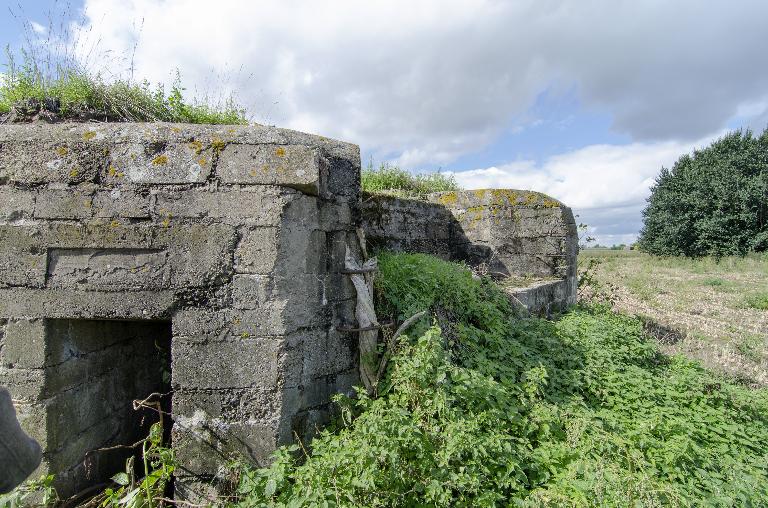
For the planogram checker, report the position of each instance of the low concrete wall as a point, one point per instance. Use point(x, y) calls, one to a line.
point(234, 235)
point(508, 232)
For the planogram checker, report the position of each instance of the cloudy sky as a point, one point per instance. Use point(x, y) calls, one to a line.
point(585, 100)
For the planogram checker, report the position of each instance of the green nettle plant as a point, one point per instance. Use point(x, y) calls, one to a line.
point(711, 203)
point(481, 409)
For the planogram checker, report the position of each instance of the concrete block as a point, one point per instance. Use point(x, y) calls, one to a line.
point(294, 166)
point(301, 251)
point(230, 404)
point(257, 205)
point(196, 490)
point(45, 158)
point(326, 354)
point(256, 250)
point(33, 418)
point(109, 269)
point(24, 344)
point(251, 291)
point(16, 203)
point(243, 363)
point(155, 160)
point(337, 216)
point(121, 202)
point(67, 203)
point(22, 260)
point(203, 443)
point(25, 385)
point(211, 324)
point(72, 304)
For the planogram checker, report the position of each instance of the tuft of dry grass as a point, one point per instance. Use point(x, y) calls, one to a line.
point(705, 309)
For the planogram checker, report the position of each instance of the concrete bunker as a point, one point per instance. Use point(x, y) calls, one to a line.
point(227, 242)
point(525, 239)
point(227, 245)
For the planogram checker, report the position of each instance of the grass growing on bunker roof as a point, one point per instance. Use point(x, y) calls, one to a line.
point(394, 181)
point(66, 91)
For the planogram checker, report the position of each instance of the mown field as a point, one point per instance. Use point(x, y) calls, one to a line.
point(709, 310)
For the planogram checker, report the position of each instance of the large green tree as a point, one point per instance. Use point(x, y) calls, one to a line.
point(711, 203)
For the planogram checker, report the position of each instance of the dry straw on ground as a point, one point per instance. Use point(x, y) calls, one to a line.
point(698, 308)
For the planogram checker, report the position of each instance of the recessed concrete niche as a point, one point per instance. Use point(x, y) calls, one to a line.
point(93, 371)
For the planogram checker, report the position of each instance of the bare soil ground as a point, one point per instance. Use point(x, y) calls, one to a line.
point(708, 310)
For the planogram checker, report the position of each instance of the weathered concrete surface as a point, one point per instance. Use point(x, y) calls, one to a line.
point(542, 298)
point(506, 232)
point(232, 238)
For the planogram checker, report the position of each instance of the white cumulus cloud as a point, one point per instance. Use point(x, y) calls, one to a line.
point(429, 81)
point(606, 185)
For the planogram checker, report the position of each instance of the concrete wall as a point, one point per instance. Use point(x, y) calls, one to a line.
point(519, 234)
point(234, 235)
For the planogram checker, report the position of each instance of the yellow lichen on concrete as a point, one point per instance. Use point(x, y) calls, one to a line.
point(501, 197)
point(530, 199)
point(196, 145)
point(448, 198)
point(167, 216)
point(89, 135)
point(73, 173)
point(217, 144)
point(160, 160)
point(112, 171)
point(280, 152)
point(202, 161)
point(62, 151)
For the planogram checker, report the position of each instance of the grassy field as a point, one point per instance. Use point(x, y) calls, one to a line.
point(709, 310)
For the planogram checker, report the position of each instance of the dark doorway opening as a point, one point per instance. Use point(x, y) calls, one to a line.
point(95, 370)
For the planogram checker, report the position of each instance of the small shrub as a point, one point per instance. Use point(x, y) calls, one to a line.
point(758, 301)
point(753, 347)
point(392, 180)
point(714, 282)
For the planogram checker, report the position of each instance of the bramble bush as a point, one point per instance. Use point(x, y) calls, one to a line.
point(711, 203)
point(482, 409)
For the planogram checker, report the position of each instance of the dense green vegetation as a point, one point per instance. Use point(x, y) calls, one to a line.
point(71, 93)
point(711, 203)
point(482, 409)
point(758, 301)
point(387, 179)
